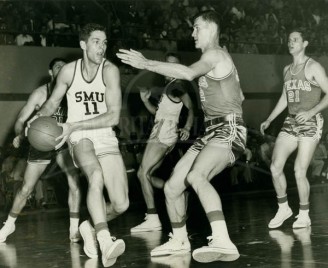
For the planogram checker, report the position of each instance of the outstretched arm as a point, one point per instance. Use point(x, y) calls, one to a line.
point(206, 63)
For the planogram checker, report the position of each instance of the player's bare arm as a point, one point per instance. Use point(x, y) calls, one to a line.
point(206, 63)
point(64, 79)
point(278, 109)
point(317, 74)
point(185, 131)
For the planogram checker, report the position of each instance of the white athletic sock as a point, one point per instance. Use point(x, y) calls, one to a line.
point(283, 205)
point(180, 233)
point(74, 222)
point(11, 220)
point(219, 228)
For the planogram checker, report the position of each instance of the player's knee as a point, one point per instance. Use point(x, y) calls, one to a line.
point(121, 207)
point(196, 179)
point(170, 192)
point(25, 191)
point(143, 174)
point(276, 169)
point(300, 172)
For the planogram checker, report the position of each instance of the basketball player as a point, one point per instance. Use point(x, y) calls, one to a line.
point(224, 139)
point(92, 89)
point(38, 161)
point(304, 81)
point(162, 140)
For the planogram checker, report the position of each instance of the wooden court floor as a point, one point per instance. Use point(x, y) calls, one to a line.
point(41, 237)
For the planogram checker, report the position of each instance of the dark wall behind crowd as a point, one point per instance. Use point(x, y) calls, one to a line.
point(22, 69)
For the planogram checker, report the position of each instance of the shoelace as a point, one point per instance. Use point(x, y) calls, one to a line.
point(210, 239)
point(171, 237)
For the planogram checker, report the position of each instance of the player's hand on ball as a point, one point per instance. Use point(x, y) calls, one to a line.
point(29, 122)
point(67, 130)
point(17, 141)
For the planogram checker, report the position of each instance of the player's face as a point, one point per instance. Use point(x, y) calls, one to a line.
point(201, 33)
point(56, 68)
point(96, 46)
point(295, 43)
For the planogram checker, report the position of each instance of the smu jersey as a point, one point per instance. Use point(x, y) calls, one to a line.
point(167, 108)
point(220, 96)
point(61, 113)
point(86, 99)
point(302, 94)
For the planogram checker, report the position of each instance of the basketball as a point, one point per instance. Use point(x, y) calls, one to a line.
point(42, 133)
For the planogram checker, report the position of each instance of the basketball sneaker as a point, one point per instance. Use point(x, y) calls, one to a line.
point(303, 221)
point(74, 235)
point(151, 223)
point(89, 237)
point(218, 249)
point(6, 230)
point(110, 247)
point(173, 246)
point(282, 214)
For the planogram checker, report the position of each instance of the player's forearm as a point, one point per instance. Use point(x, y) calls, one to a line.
point(190, 120)
point(280, 107)
point(323, 104)
point(174, 70)
point(48, 109)
point(102, 121)
point(19, 127)
point(151, 108)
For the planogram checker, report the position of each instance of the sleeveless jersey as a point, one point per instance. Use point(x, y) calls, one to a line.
point(61, 113)
point(220, 96)
point(85, 99)
point(167, 108)
point(302, 94)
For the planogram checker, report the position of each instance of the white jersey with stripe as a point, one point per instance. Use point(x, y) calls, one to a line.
point(168, 108)
point(86, 99)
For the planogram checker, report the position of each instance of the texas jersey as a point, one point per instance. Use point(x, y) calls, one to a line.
point(86, 99)
point(302, 94)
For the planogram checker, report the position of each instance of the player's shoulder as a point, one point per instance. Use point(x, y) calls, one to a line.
point(312, 63)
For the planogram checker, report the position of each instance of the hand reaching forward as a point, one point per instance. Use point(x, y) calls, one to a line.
point(132, 58)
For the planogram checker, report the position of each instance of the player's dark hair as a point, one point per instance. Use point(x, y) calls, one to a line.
point(302, 32)
point(54, 61)
point(88, 29)
point(209, 16)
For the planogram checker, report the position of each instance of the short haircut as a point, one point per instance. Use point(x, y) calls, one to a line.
point(172, 54)
point(209, 16)
point(302, 32)
point(88, 29)
point(54, 61)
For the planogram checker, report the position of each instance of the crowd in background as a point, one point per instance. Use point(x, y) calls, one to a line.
point(248, 26)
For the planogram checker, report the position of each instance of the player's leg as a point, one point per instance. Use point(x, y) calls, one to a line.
point(116, 183)
point(176, 207)
point(212, 159)
point(152, 157)
point(65, 162)
point(32, 174)
point(284, 146)
point(305, 153)
point(86, 159)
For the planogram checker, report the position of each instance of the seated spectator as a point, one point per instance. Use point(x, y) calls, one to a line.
point(24, 39)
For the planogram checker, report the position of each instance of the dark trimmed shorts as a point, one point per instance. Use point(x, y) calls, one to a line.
point(38, 157)
point(311, 129)
point(228, 131)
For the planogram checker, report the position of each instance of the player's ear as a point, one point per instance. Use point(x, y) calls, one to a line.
point(306, 43)
point(50, 72)
point(83, 44)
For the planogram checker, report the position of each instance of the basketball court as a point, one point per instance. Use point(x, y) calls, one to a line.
point(41, 238)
